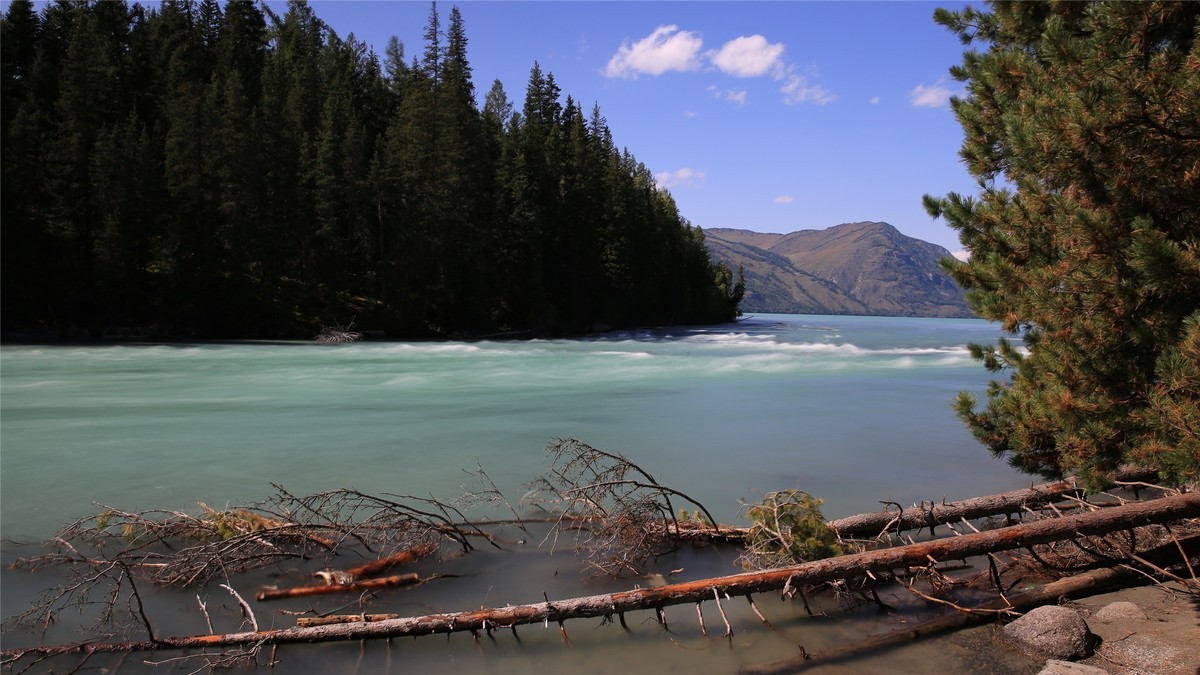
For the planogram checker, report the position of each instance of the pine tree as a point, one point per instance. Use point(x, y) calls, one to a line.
point(191, 167)
point(24, 117)
point(1082, 126)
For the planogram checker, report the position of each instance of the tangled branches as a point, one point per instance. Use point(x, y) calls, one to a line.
point(622, 515)
point(107, 551)
point(336, 335)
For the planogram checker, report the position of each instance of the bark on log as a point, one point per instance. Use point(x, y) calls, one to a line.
point(1164, 510)
point(931, 514)
point(1077, 586)
point(326, 589)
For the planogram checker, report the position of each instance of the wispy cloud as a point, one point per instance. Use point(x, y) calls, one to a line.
point(796, 89)
point(874, 100)
point(667, 48)
point(748, 56)
point(738, 96)
point(685, 177)
point(784, 199)
point(932, 96)
point(690, 113)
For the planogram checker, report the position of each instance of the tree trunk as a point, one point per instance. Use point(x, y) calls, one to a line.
point(1103, 521)
point(930, 514)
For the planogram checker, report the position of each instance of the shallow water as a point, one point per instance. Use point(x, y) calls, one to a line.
point(852, 409)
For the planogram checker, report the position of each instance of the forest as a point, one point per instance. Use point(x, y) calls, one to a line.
point(216, 170)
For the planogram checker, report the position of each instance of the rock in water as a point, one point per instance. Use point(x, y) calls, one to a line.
point(1051, 630)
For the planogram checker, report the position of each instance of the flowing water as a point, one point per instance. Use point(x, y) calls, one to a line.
point(852, 409)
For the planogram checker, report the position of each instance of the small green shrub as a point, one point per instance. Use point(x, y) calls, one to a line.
point(787, 529)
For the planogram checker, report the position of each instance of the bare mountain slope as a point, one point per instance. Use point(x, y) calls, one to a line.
point(855, 268)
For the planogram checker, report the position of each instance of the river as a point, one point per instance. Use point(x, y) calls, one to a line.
point(854, 410)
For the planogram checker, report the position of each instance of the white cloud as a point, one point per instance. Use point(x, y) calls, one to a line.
point(685, 177)
point(784, 199)
point(667, 48)
point(670, 48)
point(690, 113)
point(932, 96)
point(796, 89)
point(962, 255)
point(749, 56)
point(874, 100)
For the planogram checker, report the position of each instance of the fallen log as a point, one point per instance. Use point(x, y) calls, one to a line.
point(326, 589)
point(930, 514)
point(1077, 586)
point(1163, 510)
point(384, 564)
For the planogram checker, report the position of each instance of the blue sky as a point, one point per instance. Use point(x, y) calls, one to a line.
point(767, 116)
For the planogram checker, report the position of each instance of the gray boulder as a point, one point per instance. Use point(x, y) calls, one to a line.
point(1053, 631)
point(1117, 611)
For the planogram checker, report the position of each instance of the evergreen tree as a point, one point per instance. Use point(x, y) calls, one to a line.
point(26, 250)
point(1082, 126)
point(203, 168)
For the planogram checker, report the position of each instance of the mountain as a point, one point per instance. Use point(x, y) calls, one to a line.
point(855, 268)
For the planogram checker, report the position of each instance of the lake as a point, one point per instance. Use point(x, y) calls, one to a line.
point(854, 410)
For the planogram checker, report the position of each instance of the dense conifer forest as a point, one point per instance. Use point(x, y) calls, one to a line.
point(214, 169)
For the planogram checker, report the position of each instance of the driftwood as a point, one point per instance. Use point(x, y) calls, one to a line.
point(930, 514)
point(336, 335)
point(384, 564)
point(1079, 585)
point(1163, 510)
point(351, 587)
point(355, 579)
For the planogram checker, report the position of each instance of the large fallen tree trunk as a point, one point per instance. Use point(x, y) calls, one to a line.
point(918, 516)
point(933, 513)
point(1079, 585)
point(1164, 510)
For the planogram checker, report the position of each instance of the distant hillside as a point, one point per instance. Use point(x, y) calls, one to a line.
point(856, 268)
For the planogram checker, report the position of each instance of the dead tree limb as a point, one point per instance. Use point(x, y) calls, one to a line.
point(628, 516)
point(1164, 510)
point(384, 564)
point(1079, 585)
point(929, 514)
point(326, 589)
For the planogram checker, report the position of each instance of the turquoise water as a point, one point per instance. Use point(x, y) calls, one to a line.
point(852, 409)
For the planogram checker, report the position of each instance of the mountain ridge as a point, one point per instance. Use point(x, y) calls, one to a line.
point(867, 268)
